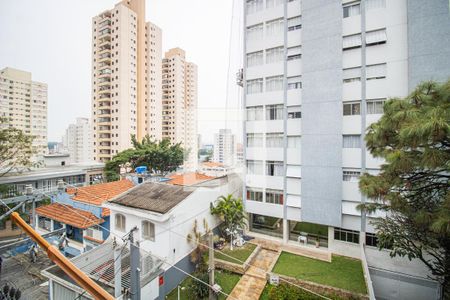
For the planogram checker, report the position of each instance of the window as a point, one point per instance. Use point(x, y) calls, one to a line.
point(255, 86)
point(294, 23)
point(274, 83)
point(351, 41)
point(377, 71)
point(254, 6)
point(273, 3)
point(371, 239)
point(351, 74)
point(294, 141)
point(375, 106)
point(274, 196)
point(294, 53)
point(376, 37)
point(254, 194)
point(294, 82)
point(346, 235)
point(274, 55)
point(255, 32)
point(351, 109)
point(120, 222)
point(274, 140)
point(254, 139)
point(294, 112)
point(254, 167)
point(255, 113)
point(148, 231)
point(351, 141)
point(352, 10)
point(350, 175)
point(275, 27)
point(375, 4)
point(274, 168)
point(89, 232)
point(274, 112)
point(255, 59)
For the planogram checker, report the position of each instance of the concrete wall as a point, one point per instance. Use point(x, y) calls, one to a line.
point(321, 141)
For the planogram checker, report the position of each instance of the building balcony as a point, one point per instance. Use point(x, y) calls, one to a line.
point(104, 129)
point(103, 112)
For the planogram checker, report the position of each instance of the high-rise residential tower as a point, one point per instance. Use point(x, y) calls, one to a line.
point(179, 103)
point(77, 141)
point(316, 74)
point(24, 103)
point(126, 78)
point(225, 147)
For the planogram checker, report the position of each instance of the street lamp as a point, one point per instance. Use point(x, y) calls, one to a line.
point(182, 288)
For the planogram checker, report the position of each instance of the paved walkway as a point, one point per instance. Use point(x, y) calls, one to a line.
point(252, 283)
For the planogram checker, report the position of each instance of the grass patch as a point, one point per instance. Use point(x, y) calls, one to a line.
point(226, 280)
point(311, 228)
point(342, 272)
point(290, 292)
point(239, 254)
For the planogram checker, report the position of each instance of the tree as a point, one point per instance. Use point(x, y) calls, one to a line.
point(198, 240)
point(231, 211)
point(413, 186)
point(159, 157)
point(15, 148)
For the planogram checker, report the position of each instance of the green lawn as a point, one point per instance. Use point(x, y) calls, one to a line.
point(311, 228)
point(225, 279)
point(294, 293)
point(240, 254)
point(342, 272)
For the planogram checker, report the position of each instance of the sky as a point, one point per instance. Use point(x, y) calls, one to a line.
point(52, 40)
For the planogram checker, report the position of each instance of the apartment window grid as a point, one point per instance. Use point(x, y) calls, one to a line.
point(255, 167)
point(273, 3)
point(274, 140)
point(274, 112)
point(353, 9)
point(253, 6)
point(255, 32)
point(351, 141)
point(255, 59)
point(275, 27)
point(148, 231)
point(274, 168)
point(351, 41)
point(294, 82)
point(375, 4)
point(274, 196)
point(274, 83)
point(120, 222)
point(294, 142)
point(294, 23)
point(377, 71)
point(371, 239)
point(375, 106)
point(255, 86)
point(351, 75)
point(376, 37)
point(346, 235)
point(254, 140)
point(351, 109)
point(294, 112)
point(352, 176)
point(255, 113)
point(274, 55)
point(254, 194)
point(294, 53)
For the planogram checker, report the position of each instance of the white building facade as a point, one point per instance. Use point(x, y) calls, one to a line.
point(316, 74)
point(126, 78)
point(24, 103)
point(225, 147)
point(77, 141)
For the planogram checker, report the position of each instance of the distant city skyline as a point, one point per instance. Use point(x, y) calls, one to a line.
point(62, 56)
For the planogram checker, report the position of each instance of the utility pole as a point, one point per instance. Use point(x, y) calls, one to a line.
point(117, 270)
point(212, 294)
point(135, 265)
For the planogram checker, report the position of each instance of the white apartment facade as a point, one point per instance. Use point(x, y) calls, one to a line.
point(316, 74)
point(24, 102)
point(126, 78)
point(179, 103)
point(77, 141)
point(225, 147)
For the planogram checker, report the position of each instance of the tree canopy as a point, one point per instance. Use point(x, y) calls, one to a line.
point(159, 157)
point(231, 211)
point(413, 186)
point(15, 148)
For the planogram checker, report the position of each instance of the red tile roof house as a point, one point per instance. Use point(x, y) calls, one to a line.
point(80, 211)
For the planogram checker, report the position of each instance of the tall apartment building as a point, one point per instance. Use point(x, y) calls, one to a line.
point(225, 147)
point(24, 102)
point(316, 74)
point(77, 141)
point(126, 78)
point(179, 103)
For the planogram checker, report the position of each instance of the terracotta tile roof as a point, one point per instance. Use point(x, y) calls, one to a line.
point(98, 193)
point(188, 179)
point(71, 216)
point(211, 164)
point(105, 212)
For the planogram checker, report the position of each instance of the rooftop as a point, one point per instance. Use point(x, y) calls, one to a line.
point(98, 193)
point(74, 217)
point(188, 179)
point(156, 197)
point(212, 164)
